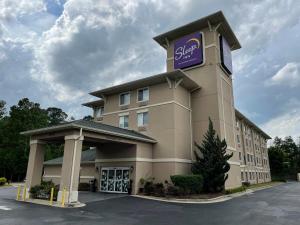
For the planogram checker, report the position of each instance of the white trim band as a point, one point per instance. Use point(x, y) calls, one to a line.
point(59, 176)
point(231, 148)
point(37, 142)
point(145, 107)
point(144, 160)
point(234, 163)
point(74, 137)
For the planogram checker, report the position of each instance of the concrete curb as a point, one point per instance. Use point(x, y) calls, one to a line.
point(187, 201)
point(55, 204)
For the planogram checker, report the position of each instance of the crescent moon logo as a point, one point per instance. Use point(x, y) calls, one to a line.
point(196, 40)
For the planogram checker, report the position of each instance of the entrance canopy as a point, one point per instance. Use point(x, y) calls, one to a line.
point(73, 135)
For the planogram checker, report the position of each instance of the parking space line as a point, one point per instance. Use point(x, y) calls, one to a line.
point(4, 207)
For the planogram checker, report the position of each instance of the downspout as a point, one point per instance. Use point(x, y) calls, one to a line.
point(191, 127)
point(73, 164)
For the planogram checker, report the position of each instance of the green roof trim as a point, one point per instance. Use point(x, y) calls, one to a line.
point(87, 156)
point(93, 127)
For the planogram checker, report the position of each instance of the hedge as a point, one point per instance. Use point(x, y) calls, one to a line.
point(191, 184)
point(2, 181)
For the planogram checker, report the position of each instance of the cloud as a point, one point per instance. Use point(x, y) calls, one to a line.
point(56, 51)
point(14, 9)
point(94, 44)
point(288, 75)
point(285, 124)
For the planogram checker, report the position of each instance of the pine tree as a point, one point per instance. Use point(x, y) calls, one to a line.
point(211, 161)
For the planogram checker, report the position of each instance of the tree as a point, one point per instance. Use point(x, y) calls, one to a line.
point(88, 118)
point(211, 161)
point(284, 156)
point(14, 148)
point(56, 115)
point(2, 108)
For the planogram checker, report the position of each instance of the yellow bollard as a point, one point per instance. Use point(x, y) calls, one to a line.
point(24, 193)
point(18, 192)
point(63, 198)
point(51, 196)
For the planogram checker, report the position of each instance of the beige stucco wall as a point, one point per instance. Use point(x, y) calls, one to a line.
point(53, 172)
point(158, 93)
point(170, 116)
point(214, 100)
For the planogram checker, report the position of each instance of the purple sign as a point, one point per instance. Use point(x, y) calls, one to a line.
point(188, 51)
point(225, 51)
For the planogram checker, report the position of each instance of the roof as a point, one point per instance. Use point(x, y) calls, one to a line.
point(87, 156)
point(94, 127)
point(241, 116)
point(94, 103)
point(214, 19)
point(176, 75)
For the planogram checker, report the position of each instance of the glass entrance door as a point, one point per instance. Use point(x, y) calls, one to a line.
point(114, 179)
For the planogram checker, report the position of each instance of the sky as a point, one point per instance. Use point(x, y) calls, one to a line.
point(55, 52)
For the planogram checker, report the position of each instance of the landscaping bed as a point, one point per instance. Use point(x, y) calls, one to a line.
point(187, 188)
point(43, 191)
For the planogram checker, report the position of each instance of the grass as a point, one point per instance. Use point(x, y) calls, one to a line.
point(5, 185)
point(235, 190)
point(244, 188)
point(271, 183)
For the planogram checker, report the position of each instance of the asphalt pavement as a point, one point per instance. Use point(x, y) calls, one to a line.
point(276, 205)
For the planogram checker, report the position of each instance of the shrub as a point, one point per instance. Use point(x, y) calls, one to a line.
point(159, 190)
point(175, 191)
point(84, 187)
point(149, 188)
point(246, 184)
point(191, 184)
point(2, 181)
point(235, 190)
point(43, 191)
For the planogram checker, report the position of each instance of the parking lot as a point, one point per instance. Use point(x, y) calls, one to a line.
point(277, 205)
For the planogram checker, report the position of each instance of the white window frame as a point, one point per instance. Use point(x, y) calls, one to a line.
point(142, 113)
point(137, 94)
point(124, 115)
point(128, 92)
point(101, 111)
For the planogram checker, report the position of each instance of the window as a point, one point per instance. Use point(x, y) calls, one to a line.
point(242, 175)
point(246, 142)
point(143, 95)
point(123, 121)
point(240, 155)
point(99, 111)
point(142, 119)
point(238, 138)
point(125, 98)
